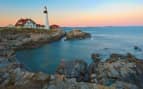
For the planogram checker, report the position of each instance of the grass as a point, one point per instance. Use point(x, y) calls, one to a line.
point(26, 30)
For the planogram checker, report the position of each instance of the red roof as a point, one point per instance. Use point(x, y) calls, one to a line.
point(54, 26)
point(21, 22)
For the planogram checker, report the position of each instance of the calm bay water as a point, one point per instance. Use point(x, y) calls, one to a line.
point(105, 40)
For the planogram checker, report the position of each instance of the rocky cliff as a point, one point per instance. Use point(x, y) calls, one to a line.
point(77, 34)
point(28, 38)
point(13, 75)
point(117, 72)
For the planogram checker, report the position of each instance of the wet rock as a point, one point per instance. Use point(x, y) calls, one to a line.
point(92, 72)
point(73, 69)
point(20, 39)
point(6, 52)
point(123, 85)
point(96, 57)
point(52, 87)
point(115, 57)
point(93, 78)
point(77, 34)
point(41, 76)
point(137, 48)
point(83, 86)
point(4, 78)
point(123, 68)
point(60, 77)
point(117, 72)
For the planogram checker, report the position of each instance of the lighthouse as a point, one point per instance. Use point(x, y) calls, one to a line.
point(46, 18)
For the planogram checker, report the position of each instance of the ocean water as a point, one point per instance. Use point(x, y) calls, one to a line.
point(105, 40)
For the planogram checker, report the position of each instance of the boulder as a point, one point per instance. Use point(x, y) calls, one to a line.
point(73, 69)
point(6, 52)
point(116, 70)
point(95, 57)
point(77, 34)
point(137, 48)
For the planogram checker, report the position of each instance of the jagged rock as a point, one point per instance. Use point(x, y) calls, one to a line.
point(20, 39)
point(96, 57)
point(93, 78)
point(74, 69)
point(137, 48)
point(52, 87)
point(41, 76)
point(117, 72)
point(123, 68)
point(123, 85)
point(6, 52)
point(77, 34)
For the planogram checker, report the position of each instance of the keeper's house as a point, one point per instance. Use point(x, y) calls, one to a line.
point(28, 23)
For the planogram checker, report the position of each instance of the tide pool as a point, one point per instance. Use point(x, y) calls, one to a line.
point(105, 40)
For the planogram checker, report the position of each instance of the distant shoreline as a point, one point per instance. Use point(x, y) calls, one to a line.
point(84, 26)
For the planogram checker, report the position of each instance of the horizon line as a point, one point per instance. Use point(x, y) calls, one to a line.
point(91, 26)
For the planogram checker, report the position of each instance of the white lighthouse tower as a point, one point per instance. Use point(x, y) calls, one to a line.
point(46, 18)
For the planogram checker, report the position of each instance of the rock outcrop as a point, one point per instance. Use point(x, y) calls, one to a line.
point(14, 75)
point(121, 71)
point(36, 39)
point(136, 48)
point(77, 34)
point(118, 71)
point(73, 69)
point(28, 38)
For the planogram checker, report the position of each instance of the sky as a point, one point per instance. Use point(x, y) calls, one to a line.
point(74, 12)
